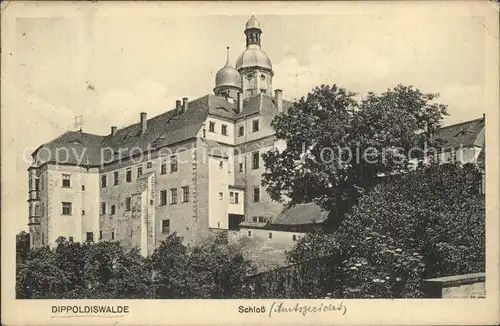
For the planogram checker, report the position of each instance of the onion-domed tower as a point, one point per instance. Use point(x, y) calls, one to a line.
point(254, 65)
point(227, 81)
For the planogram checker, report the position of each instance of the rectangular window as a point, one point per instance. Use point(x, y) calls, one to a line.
point(103, 208)
point(255, 125)
point(173, 196)
point(294, 237)
point(83, 187)
point(66, 208)
point(221, 165)
point(221, 196)
point(270, 235)
point(185, 194)
point(70, 239)
point(236, 198)
point(37, 184)
point(116, 177)
point(255, 160)
point(231, 197)
point(249, 233)
point(256, 194)
point(139, 171)
point(163, 197)
point(42, 182)
point(128, 203)
point(90, 237)
point(66, 180)
point(241, 167)
point(211, 126)
point(113, 209)
point(241, 131)
point(255, 219)
point(149, 165)
point(173, 164)
point(112, 235)
point(103, 181)
point(165, 226)
point(163, 168)
point(262, 219)
point(100, 234)
point(83, 212)
point(129, 175)
point(224, 130)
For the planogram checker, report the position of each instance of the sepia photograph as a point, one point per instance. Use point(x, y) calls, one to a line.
point(169, 154)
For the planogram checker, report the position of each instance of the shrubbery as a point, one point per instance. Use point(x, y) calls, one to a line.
point(105, 270)
point(423, 224)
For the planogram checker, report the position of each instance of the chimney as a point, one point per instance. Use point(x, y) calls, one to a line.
point(278, 95)
point(178, 106)
point(144, 122)
point(113, 130)
point(240, 102)
point(184, 105)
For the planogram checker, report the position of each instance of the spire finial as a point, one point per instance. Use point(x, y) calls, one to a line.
point(227, 59)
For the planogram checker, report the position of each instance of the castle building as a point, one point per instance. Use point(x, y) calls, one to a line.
point(193, 170)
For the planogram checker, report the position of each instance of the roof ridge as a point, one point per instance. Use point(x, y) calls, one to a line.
point(462, 123)
point(158, 115)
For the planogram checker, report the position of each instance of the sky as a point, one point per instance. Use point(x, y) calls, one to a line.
point(108, 64)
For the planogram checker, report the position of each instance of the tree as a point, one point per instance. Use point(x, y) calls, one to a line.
point(84, 271)
point(337, 147)
point(131, 278)
point(168, 263)
point(217, 270)
point(422, 224)
point(209, 270)
point(39, 277)
point(22, 245)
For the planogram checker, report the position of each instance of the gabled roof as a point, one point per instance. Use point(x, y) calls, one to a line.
point(466, 134)
point(73, 147)
point(301, 214)
point(163, 130)
point(257, 103)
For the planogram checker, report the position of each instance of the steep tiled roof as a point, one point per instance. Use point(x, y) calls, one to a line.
point(73, 147)
point(163, 130)
point(257, 103)
point(301, 214)
point(219, 106)
point(466, 134)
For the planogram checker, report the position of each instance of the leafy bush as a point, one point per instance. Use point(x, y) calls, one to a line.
point(105, 270)
point(423, 224)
